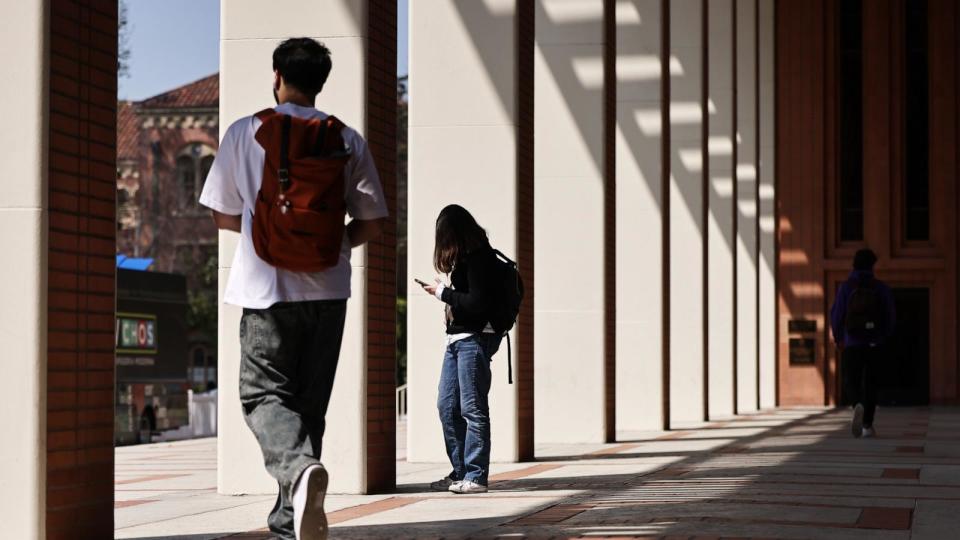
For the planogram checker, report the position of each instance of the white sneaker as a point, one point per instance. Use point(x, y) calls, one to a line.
point(466, 487)
point(443, 484)
point(868, 432)
point(856, 425)
point(309, 519)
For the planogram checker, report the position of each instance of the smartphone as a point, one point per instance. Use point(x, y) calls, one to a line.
point(421, 283)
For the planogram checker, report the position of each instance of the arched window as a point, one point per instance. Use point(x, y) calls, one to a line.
point(193, 165)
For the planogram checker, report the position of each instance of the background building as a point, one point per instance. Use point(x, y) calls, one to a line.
point(165, 146)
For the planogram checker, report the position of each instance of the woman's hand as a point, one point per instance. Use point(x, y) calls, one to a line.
point(432, 289)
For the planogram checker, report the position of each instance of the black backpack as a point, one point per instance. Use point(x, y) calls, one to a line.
point(507, 308)
point(865, 313)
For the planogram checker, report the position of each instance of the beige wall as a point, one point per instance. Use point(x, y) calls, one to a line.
point(686, 219)
point(461, 152)
point(23, 224)
point(746, 209)
point(569, 216)
point(720, 223)
point(767, 268)
point(639, 398)
point(249, 32)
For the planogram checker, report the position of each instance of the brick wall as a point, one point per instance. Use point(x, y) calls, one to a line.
point(523, 368)
point(382, 253)
point(610, 216)
point(82, 230)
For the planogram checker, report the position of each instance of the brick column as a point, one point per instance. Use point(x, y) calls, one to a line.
point(81, 264)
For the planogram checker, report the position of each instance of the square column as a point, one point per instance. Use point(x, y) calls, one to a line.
point(570, 234)
point(746, 180)
point(250, 31)
point(467, 128)
point(687, 116)
point(639, 200)
point(722, 210)
point(767, 198)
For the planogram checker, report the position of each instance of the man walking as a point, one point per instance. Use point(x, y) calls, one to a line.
point(862, 318)
point(284, 179)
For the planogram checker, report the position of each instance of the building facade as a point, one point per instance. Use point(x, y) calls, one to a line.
point(165, 146)
point(683, 183)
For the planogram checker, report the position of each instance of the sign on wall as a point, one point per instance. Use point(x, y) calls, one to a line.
point(136, 333)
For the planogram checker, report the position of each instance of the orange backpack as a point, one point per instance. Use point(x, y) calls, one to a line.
point(298, 221)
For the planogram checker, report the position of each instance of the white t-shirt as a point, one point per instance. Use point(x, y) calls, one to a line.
point(231, 188)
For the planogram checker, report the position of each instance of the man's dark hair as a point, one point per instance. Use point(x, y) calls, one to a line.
point(303, 63)
point(864, 259)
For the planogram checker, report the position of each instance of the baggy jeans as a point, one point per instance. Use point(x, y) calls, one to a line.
point(464, 409)
point(289, 355)
point(861, 364)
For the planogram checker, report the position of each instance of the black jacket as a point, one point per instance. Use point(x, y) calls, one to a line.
point(472, 295)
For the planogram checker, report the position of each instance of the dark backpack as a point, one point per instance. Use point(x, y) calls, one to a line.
point(507, 309)
point(865, 313)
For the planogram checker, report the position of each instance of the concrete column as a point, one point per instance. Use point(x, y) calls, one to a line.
point(569, 221)
point(746, 178)
point(463, 150)
point(638, 157)
point(250, 30)
point(720, 223)
point(768, 264)
point(23, 232)
point(686, 213)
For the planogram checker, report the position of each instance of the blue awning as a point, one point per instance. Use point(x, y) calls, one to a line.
point(132, 263)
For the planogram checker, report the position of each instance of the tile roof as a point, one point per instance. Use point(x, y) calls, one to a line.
point(128, 131)
point(201, 94)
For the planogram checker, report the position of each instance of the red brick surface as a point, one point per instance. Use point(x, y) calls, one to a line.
point(381, 135)
point(82, 172)
point(523, 361)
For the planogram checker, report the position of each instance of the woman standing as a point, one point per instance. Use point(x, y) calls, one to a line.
point(463, 251)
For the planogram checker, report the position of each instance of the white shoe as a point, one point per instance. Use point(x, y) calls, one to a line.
point(466, 487)
point(868, 432)
point(443, 484)
point(856, 425)
point(309, 519)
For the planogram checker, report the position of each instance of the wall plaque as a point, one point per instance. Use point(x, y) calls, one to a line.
point(801, 326)
point(803, 350)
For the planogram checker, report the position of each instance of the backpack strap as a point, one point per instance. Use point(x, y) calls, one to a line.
point(283, 173)
point(265, 114)
point(509, 360)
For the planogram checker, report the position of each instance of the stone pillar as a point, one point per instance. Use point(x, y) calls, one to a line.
point(722, 210)
point(468, 153)
point(250, 31)
point(746, 179)
point(569, 163)
point(639, 392)
point(686, 214)
point(23, 234)
point(768, 263)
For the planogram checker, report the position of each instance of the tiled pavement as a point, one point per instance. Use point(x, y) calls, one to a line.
point(791, 473)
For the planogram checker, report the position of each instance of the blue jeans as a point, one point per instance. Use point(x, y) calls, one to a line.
point(462, 402)
point(289, 355)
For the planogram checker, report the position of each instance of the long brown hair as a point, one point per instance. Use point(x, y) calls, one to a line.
point(458, 233)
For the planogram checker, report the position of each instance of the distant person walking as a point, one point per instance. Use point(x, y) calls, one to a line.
point(480, 308)
point(285, 179)
point(862, 318)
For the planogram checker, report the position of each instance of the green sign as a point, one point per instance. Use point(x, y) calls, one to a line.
point(136, 333)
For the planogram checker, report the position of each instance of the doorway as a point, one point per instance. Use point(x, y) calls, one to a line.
point(904, 376)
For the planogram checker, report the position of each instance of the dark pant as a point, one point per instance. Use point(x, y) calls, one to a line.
point(463, 406)
point(289, 359)
point(860, 365)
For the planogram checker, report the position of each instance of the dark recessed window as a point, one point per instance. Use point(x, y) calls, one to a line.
point(916, 136)
point(851, 120)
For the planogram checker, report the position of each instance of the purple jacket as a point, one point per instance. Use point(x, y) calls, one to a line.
point(838, 313)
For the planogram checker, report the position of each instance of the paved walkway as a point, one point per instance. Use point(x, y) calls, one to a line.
point(793, 473)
